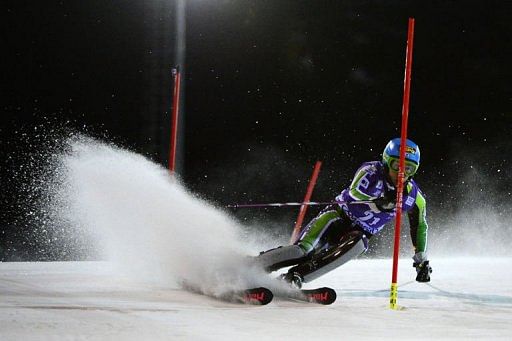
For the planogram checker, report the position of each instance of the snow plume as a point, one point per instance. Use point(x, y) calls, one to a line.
point(482, 231)
point(475, 219)
point(146, 223)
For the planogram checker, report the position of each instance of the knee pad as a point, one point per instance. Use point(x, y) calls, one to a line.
point(350, 246)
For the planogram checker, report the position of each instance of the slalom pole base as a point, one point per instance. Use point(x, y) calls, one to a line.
point(393, 297)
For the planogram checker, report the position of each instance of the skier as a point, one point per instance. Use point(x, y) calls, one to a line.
point(341, 231)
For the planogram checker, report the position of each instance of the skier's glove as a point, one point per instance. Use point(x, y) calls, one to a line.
point(423, 271)
point(386, 203)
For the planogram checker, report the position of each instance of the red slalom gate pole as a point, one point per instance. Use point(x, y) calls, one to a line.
point(400, 185)
point(174, 119)
point(304, 206)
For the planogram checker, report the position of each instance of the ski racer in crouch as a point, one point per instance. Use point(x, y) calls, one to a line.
point(341, 231)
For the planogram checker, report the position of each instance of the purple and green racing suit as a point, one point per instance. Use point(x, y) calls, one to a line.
point(370, 182)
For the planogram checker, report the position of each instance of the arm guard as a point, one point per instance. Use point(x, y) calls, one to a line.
point(418, 224)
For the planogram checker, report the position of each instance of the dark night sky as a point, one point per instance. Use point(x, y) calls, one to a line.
point(271, 87)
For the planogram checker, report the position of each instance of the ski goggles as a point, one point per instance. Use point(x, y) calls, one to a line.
point(410, 167)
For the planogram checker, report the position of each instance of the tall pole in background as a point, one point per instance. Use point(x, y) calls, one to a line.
point(174, 119)
point(179, 102)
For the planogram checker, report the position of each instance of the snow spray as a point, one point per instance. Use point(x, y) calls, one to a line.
point(147, 224)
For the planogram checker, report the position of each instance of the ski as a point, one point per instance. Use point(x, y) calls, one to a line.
point(258, 296)
point(255, 296)
point(324, 295)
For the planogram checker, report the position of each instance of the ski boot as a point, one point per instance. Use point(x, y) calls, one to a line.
point(294, 279)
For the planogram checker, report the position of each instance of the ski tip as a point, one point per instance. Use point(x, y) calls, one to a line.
point(258, 296)
point(323, 295)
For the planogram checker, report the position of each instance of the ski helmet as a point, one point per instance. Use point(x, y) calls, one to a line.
point(391, 156)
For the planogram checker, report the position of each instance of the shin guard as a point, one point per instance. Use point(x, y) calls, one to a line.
point(328, 260)
point(281, 257)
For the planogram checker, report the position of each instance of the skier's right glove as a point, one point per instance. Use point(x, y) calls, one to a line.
point(386, 203)
point(423, 271)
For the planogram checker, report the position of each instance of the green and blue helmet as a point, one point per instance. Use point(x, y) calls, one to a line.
point(391, 156)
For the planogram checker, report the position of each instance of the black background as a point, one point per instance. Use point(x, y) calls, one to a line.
point(271, 87)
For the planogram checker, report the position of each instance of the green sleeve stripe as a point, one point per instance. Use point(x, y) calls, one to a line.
point(421, 236)
point(354, 192)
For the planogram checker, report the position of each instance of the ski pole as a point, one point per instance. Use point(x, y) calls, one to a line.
point(308, 203)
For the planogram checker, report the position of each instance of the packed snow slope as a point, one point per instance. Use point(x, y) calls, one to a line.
point(468, 298)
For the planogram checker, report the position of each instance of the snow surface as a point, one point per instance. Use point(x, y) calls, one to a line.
point(467, 299)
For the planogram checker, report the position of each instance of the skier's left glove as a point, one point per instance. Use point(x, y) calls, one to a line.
point(423, 271)
point(423, 268)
